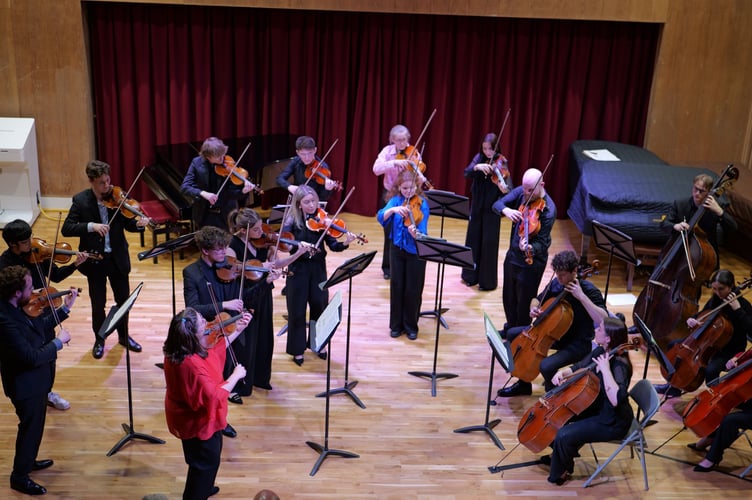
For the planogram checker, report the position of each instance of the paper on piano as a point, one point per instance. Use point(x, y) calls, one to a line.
point(600, 154)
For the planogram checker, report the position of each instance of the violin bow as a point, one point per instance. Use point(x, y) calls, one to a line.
point(321, 161)
point(125, 197)
point(232, 169)
point(46, 281)
point(496, 148)
point(284, 218)
point(332, 217)
point(245, 254)
point(219, 323)
point(540, 179)
point(423, 132)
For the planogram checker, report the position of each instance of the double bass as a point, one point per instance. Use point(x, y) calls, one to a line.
point(685, 263)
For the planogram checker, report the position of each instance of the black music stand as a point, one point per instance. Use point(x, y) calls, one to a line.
point(442, 252)
point(499, 351)
point(169, 246)
point(616, 244)
point(321, 334)
point(444, 204)
point(347, 271)
point(652, 345)
point(115, 316)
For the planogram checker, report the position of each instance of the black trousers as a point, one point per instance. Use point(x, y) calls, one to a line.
point(483, 238)
point(406, 290)
point(31, 414)
point(303, 289)
point(519, 288)
point(258, 347)
point(728, 432)
point(202, 457)
point(97, 278)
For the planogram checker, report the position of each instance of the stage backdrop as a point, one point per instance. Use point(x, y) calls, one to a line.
point(174, 74)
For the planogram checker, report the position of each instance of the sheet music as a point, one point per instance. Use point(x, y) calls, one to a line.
point(324, 327)
point(600, 154)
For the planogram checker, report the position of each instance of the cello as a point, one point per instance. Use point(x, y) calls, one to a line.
point(531, 346)
point(691, 356)
point(686, 261)
point(540, 423)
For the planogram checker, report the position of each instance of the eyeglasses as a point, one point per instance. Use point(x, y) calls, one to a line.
point(699, 190)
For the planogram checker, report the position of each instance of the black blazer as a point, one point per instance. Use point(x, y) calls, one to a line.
point(85, 210)
point(27, 352)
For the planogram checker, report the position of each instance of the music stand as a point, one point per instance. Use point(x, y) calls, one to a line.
point(647, 337)
point(616, 244)
point(442, 252)
point(347, 271)
point(321, 334)
point(444, 204)
point(115, 316)
point(169, 246)
point(499, 351)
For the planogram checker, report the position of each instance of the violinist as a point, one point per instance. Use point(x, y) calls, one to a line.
point(521, 280)
point(484, 226)
point(27, 365)
point(716, 212)
point(588, 309)
point(196, 396)
point(305, 149)
point(728, 432)
point(246, 228)
point(17, 234)
point(202, 183)
point(89, 219)
point(737, 310)
point(392, 160)
point(406, 213)
point(308, 271)
point(609, 416)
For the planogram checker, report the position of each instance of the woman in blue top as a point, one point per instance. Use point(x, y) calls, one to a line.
point(407, 211)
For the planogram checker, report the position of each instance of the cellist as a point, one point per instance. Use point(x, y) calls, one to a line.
point(609, 416)
point(737, 310)
point(727, 432)
point(588, 309)
point(521, 280)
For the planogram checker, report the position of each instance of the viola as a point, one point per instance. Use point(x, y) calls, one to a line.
point(418, 167)
point(540, 423)
point(684, 264)
point(704, 413)
point(691, 356)
point(321, 174)
point(129, 207)
point(320, 220)
point(229, 270)
point(530, 225)
point(42, 251)
point(238, 175)
point(40, 300)
point(531, 346)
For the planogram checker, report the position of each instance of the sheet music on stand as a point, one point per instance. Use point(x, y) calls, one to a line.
point(323, 328)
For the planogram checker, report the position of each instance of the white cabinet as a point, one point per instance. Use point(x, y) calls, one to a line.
point(19, 170)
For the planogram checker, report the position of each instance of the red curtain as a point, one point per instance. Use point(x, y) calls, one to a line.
point(174, 74)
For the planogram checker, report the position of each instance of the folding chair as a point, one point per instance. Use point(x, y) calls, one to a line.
point(643, 393)
point(749, 468)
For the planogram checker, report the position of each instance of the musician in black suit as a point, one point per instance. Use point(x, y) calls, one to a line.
point(89, 219)
point(212, 203)
point(305, 148)
point(27, 365)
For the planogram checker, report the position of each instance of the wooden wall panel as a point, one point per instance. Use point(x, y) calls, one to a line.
point(701, 107)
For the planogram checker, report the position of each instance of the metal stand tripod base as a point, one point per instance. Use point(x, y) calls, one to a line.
point(498, 468)
point(131, 434)
point(488, 428)
point(345, 389)
point(433, 376)
point(437, 314)
point(324, 452)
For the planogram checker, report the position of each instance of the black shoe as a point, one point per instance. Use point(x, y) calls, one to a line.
point(484, 289)
point(322, 355)
point(700, 468)
point(412, 335)
point(298, 361)
point(98, 350)
point(519, 388)
point(235, 398)
point(229, 431)
point(266, 387)
point(698, 449)
point(284, 290)
point(395, 333)
point(132, 345)
point(27, 486)
point(387, 276)
point(214, 491)
point(42, 464)
point(668, 390)
point(545, 459)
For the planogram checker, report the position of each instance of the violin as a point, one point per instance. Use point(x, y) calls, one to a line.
point(499, 174)
point(704, 413)
point(42, 251)
point(530, 225)
point(230, 269)
point(320, 220)
point(532, 345)
point(129, 207)
point(269, 238)
point(40, 300)
point(691, 356)
point(410, 154)
point(416, 214)
point(540, 423)
point(321, 174)
point(221, 325)
point(238, 175)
